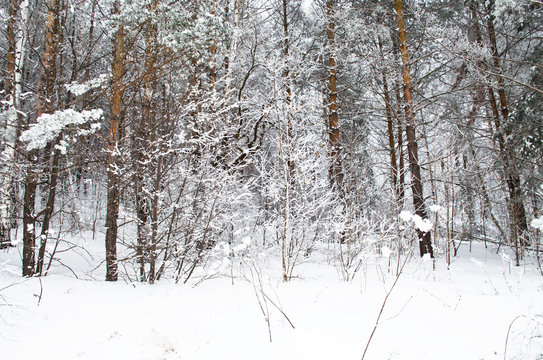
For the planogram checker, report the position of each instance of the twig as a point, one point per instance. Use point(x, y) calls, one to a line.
point(260, 293)
point(69, 268)
point(508, 332)
point(41, 291)
point(385, 302)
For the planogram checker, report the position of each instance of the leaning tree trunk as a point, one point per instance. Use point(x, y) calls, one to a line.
point(425, 243)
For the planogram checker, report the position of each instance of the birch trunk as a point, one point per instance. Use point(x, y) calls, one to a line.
point(17, 36)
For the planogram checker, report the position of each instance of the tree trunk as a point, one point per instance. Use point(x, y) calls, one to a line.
point(334, 146)
point(516, 207)
point(150, 123)
point(288, 89)
point(425, 243)
point(400, 119)
point(113, 193)
point(394, 173)
point(44, 104)
point(504, 150)
point(31, 181)
point(17, 38)
point(48, 211)
point(56, 39)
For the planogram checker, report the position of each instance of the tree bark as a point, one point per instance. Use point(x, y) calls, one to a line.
point(150, 122)
point(501, 132)
point(394, 171)
point(334, 146)
point(48, 211)
point(517, 210)
point(113, 193)
point(288, 89)
point(31, 181)
point(44, 104)
point(17, 39)
point(425, 243)
point(54, 39)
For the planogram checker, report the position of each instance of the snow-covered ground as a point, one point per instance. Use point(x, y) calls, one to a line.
point(467, 312)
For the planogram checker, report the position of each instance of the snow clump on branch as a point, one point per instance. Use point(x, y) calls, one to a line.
point(78, 89)
point(49, 126)
point(421, 224)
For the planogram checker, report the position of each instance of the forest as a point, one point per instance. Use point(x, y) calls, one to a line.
point(178, 141)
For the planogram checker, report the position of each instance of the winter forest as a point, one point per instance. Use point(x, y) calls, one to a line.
point(326, 178)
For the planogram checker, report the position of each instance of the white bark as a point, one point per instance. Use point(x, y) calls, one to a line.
point(238, 8)
point(10, 134)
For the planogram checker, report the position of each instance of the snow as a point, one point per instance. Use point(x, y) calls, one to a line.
point(467, 312)
point(537, 223)
point(79, 89)
point(49, 126)
point(421, 224)
point(436, 208)
point(406, 216)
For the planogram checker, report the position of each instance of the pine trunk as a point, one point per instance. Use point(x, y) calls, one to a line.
point(113, 193)
point(390, 132)
point(334, 146)
point(29, 240)
point(44, 104)
point(425, 243)
point(149, 121)
point(517, 211)
point(48, 211)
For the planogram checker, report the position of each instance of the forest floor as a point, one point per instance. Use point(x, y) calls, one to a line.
point(467, 312)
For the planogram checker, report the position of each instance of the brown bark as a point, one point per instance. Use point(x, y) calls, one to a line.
point(12, 24)
point(80, 161)
point(57, 38)
point(44, 104)
point(48, 73)
point(334, 146)
point(48, 211)
point(86, 77)
point(113, 193)
point(149, 118)
point(500, 114)
point(390, 131)
point(425, 243)
point(31, 181)
point(517, 210)
point(400, 119)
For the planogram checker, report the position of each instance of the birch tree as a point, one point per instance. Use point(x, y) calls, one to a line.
point(17, 37)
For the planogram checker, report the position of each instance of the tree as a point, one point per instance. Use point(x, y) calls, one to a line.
point(334, 145)
point(424, 235)
point(113, 193)
point(17, 37)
